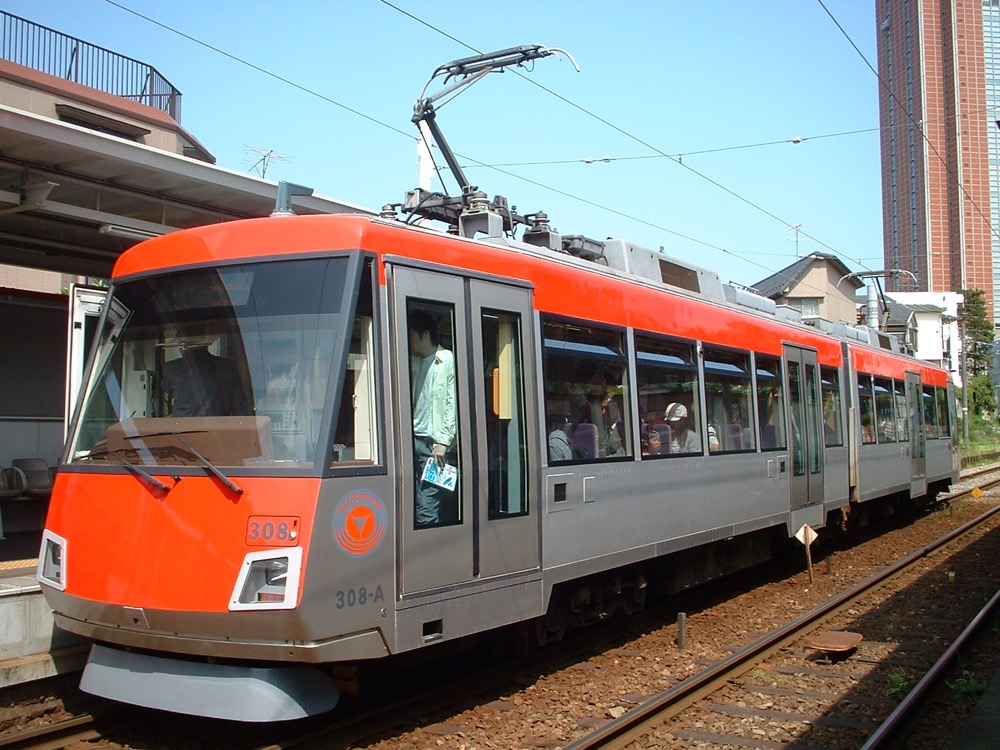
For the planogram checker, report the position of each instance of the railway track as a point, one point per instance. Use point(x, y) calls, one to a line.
point(972, 477)
point(59, 734)
point(434, 715)
point(835, 702)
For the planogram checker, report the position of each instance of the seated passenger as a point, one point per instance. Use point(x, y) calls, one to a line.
point(887, 431)
point(867, 434)
point(559, 445)
point(683, 439)
point(650, 443)
point(713, 439)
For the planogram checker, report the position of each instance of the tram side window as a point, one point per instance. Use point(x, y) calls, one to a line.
point(727, 390)
point(770, 403)
point(885, 411)
point(813, 406)
point(944, 423)
point(929, 405)
point(866, 408)
point(666, 378)
point(833, 433)
point(505, 428)
point(902, 431)
point(356, 440)
point(104, 392)
point(433, 392)
point(586, 393)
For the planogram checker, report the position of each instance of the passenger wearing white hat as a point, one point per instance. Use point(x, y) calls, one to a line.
point(682, 438)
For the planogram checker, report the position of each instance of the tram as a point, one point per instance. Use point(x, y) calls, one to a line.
point(245, 499)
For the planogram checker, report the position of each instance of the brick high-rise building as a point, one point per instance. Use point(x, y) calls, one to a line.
point(939, 62)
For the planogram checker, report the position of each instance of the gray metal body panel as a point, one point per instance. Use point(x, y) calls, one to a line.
point(942, 460)
point(617, 513)
point(883, 469)
point(466, 610)
point(836, 478)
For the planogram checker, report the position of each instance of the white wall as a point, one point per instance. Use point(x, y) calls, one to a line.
point(933, 335)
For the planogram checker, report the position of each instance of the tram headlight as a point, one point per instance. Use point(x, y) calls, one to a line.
point(52, 561)
point(268, 579)
point(275, 571)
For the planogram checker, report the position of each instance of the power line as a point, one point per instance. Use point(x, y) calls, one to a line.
point(915, 124)
point(681, 155)
point(794, 140)
point(313, 92)
point(270, 74)
point(627, 134)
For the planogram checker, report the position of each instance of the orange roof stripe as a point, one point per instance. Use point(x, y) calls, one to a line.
point(562, 285)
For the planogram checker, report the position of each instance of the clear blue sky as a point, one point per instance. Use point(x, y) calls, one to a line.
point(673, 76)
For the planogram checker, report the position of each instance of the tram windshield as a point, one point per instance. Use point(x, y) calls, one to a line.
point(235, 366)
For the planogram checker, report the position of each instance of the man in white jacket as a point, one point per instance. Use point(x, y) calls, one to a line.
point(435, 417)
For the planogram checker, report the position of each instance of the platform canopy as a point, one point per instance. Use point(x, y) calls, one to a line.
point(73, 199)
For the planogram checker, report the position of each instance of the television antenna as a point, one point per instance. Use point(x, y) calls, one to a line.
point(797, 228)
point(264, 157)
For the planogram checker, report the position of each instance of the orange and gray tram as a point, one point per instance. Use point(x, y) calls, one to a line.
point(305, 441)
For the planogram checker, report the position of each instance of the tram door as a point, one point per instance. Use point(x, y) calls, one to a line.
point(84, 312)
point(802, 383)
point(467, 440)
point(918, 437)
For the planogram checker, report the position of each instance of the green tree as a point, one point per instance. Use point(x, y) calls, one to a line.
point(978, 332)
point(981, 399)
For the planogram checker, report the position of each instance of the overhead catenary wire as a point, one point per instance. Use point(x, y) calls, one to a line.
point(722, 149)
point(682, 154)
point(677, 160)
point(915, 124)
point(312, 92)
point(259, 69)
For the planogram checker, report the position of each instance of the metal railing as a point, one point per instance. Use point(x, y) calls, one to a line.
point(48, 51)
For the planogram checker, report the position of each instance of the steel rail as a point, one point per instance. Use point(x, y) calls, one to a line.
point(633, 724)
point(968, 474)
point(57, 735)
point(892, 729)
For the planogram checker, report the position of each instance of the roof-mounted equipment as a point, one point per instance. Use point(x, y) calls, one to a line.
point(540, 233)
point(490, 217)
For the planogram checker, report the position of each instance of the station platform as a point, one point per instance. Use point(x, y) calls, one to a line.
point(982, 728)
point(31, 647)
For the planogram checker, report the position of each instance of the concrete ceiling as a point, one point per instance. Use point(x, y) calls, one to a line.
point(68, 194)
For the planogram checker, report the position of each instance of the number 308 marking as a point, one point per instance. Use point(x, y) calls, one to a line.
point(272, 531)
point(359, 597)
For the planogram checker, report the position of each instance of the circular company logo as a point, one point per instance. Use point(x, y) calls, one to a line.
point(359, 523)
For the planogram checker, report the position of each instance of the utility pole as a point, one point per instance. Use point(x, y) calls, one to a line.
point(964, 371)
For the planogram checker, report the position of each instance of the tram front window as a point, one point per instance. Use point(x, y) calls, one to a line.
point(233, 364)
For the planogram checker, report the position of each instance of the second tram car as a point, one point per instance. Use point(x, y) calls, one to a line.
point(255, 485)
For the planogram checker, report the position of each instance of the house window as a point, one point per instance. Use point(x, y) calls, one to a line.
point(805, 305)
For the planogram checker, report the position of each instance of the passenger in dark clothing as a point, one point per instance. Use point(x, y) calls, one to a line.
point(203, 385)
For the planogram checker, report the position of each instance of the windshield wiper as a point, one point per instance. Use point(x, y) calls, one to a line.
point(137, 470)
point(212, 468)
